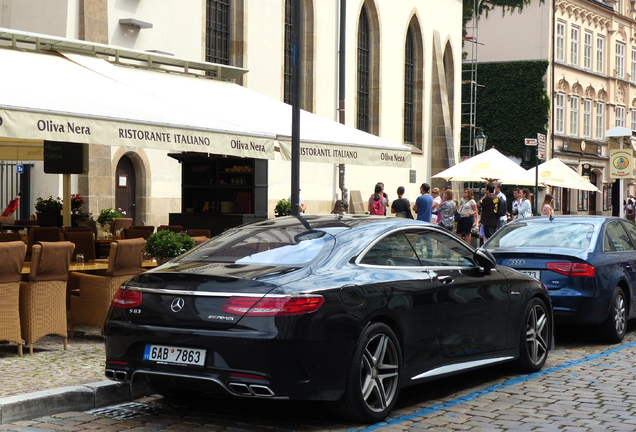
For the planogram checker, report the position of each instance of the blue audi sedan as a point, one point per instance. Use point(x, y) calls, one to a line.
point(588, 264)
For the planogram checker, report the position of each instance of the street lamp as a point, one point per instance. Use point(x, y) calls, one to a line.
point(527, 157)
point(480, 141)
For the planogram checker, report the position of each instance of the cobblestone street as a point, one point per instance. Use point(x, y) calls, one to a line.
point(584, 387)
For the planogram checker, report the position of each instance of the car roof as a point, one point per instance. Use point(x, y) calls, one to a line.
point(335, 224)
point(593, 219)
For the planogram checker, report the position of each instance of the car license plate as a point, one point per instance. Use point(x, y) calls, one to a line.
point(534, 273)
point(174, 355)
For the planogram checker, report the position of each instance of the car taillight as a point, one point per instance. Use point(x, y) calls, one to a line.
point(572, 269)
point(272, 306)
point(126, 299)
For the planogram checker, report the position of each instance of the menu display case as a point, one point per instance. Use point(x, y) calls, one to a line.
point(220, 192)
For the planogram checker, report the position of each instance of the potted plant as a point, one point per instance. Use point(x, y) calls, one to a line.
point(283, 208)
point(107, 215)
point(79, 215)
point(165, 245)
point(49, 211)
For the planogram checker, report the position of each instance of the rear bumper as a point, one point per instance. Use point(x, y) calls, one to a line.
point(574, 307)
point(240, 363)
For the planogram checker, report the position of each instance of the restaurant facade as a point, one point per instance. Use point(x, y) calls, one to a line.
point(172, 130)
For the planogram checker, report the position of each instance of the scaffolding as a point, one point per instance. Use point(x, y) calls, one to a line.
point(469, 84)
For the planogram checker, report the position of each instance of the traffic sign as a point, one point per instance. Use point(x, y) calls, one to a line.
point(530, 142)
point(542, 146)
point(19, 168)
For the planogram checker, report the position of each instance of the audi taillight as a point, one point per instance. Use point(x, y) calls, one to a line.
point(572, 269)
point(272, 306)
point(126, 299)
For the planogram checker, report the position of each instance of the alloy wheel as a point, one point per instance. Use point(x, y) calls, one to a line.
point(537, 334)
point(618, 310)
point(379, 372)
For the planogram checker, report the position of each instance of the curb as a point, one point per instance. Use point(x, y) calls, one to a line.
point(72, 398)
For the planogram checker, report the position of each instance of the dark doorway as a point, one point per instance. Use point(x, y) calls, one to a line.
point(616, 198)
point(125, 187)
point(565, 204)
point(592, 198)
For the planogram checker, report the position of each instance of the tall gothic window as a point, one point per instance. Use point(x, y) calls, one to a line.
point(409, 87)
point(363, 69)
point(289, 51)
point(217, 31)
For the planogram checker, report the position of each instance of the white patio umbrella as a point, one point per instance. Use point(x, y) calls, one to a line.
point(488, 166)
point(555, 173)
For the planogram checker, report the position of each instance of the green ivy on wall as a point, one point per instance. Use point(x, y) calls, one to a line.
point(512, 104)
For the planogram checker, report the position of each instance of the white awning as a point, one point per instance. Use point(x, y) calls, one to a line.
point(81, 98)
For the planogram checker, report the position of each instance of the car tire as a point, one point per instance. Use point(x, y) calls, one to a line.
point(615, 325)
point(536, 337)
point(374, 377)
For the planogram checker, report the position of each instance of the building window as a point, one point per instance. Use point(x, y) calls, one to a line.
point(600, 54)
point(632, 76)
point(587, 118)
point(289, 52)
point(560, 113)
point(634, 119)
point(363, 69)
point(574, 46)
point(620, 60)
point(560, 41)
point(409, 87)
point(574, 115)
point(620, 116)
point(583, 199)
point(217, 32)
point(587, 50)
point(600, 120)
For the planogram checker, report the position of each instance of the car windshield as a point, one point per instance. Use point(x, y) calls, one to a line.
point(277, 247)
point(544, 235)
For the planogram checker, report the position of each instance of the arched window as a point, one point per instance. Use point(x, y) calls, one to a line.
point(289, 52)
point(409, 87)
point(363, 67)
point(413, 85)
point(306, 68)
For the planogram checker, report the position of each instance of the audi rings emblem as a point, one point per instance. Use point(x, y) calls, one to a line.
point(516, 263)
point(177, 304)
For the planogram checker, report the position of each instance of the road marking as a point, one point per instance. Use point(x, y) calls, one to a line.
point(479, 393)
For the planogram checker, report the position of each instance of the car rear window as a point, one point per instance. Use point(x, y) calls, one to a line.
point(278, 247)
point(549, 234)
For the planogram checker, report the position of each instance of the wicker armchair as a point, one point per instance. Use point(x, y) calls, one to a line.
point(11, 260)
point(96, 292)
point(43, 297)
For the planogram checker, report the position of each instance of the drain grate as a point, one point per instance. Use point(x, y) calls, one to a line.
point(128, 410)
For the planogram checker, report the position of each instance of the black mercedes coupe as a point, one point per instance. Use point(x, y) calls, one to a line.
point(344, 309)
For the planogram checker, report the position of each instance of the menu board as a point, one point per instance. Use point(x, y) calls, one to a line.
point(63, 157)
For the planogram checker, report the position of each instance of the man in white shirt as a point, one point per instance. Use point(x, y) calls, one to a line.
point(502, 202)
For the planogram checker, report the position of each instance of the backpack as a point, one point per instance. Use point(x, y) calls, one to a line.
point(376, 207)
point(501, 207)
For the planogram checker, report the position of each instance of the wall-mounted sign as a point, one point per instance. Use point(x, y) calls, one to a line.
point(63, 157)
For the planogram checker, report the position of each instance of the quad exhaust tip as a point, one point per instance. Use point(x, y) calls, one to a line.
point(251, 390)
point(117, 375)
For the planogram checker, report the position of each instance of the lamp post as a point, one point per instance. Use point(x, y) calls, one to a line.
point(480, 141)
point(527, 155)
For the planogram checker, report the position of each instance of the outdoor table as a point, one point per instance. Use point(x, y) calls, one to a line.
point(90, 266)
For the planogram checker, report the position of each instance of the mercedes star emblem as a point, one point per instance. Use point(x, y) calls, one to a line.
point(177, 304)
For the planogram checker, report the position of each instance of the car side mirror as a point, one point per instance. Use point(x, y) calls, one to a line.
point(484, 259)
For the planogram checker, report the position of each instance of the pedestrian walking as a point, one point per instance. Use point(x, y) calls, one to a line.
point(525, 205)
point(468, 212)
point(503, 205)
point(446, 211)
point(437, 200)
point(424, 203)
point(401, 206)
point(515, 203)
point(547, 209)
point(377, 202)
point(489, 218)
point(630, 208)
point(386, 197)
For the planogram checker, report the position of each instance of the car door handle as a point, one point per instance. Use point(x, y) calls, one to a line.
point(446, 279)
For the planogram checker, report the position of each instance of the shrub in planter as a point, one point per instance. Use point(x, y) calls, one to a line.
point(166, 244)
